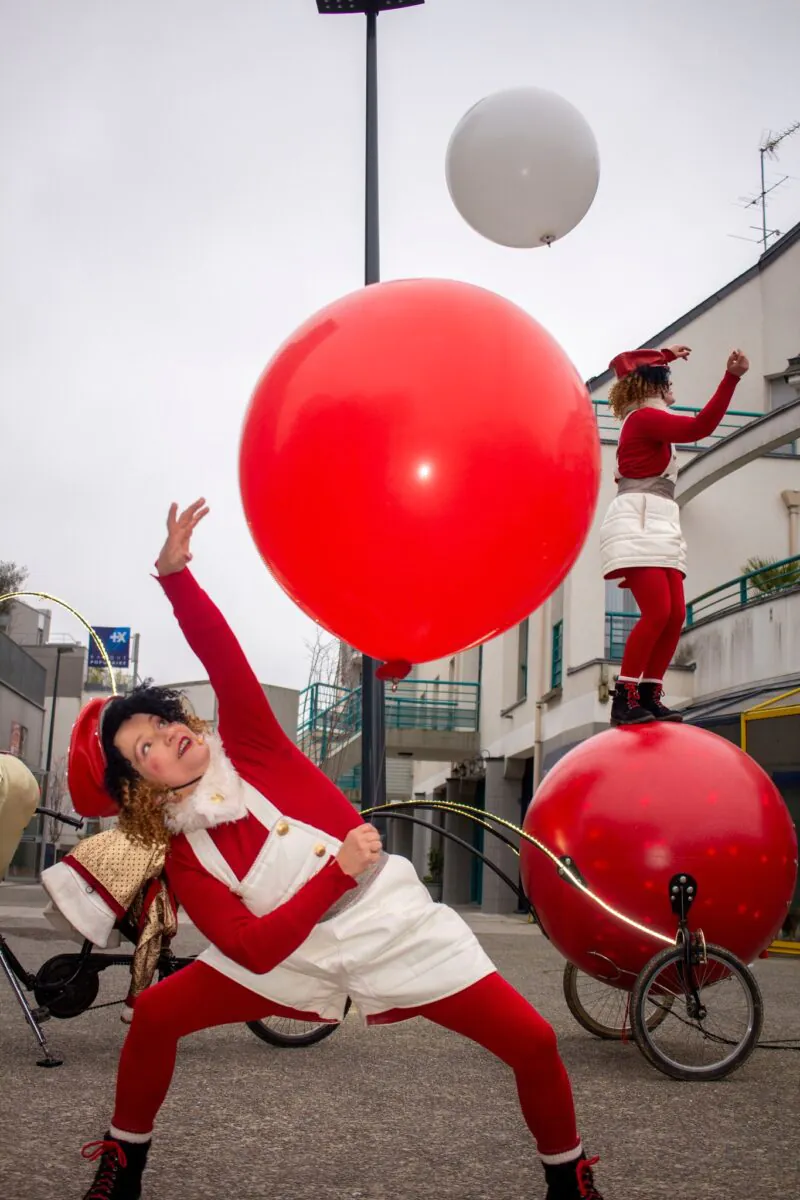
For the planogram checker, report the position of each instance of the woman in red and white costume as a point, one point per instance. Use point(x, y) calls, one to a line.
point(295, 894)
point(641, 542)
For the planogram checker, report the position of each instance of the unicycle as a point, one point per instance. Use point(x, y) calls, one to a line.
point(711, 1001)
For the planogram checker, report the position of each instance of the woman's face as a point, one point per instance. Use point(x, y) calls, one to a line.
point(165, 753)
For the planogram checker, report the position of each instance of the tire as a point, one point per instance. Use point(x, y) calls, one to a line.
point(61, 998)
point(271, 1031)
point(728, 969)
point(599, 1023)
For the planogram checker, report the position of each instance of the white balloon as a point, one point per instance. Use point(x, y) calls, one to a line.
point(523, 167)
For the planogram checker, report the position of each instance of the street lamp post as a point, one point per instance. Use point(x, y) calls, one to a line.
point(49, 758)
point(373, 724)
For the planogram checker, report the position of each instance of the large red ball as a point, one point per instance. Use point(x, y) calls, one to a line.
point(632, 808)
point(419, 467)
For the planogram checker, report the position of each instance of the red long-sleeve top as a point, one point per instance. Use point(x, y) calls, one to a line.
point(268, 760)
point(648, 434)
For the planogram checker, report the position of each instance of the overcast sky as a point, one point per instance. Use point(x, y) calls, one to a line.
point(182, 185)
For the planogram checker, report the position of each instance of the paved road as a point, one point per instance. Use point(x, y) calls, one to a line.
point(409, 1111)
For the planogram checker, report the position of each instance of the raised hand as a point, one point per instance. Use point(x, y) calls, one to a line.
point(175, 553)
point(738, 363)
point(680, 351)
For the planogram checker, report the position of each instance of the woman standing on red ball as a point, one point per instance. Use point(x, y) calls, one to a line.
point(641, 542)
point(301, 905)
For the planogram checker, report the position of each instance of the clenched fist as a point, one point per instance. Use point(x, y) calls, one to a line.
point(359, 850)
point(738, 363)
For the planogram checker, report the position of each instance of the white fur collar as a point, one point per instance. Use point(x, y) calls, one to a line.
point(217, 799)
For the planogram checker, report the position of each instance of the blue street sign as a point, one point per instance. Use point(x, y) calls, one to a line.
point(117, 642)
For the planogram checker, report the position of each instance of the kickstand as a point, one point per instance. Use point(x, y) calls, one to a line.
point(32, 1015)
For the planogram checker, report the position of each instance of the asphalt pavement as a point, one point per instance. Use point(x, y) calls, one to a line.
point(409, 1111)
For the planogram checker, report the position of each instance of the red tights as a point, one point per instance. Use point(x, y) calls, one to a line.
point(490, 1012)
point(654, 638)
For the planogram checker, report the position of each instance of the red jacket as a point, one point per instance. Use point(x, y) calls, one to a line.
point(268, 760)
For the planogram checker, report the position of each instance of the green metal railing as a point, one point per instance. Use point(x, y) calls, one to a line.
point(608, 426)
point(618, 626)
point(769, 580)
point(331, 716)
point(738, 593)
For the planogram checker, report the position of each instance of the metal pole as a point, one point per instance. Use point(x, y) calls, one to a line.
point(372, 247)
point(135, 659)
point(763, 203)
point(373, 723)
point(49, 758)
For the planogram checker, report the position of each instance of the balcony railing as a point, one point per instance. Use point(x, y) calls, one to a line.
point(770, 580)
point(618, 626)
point(608, 426)
point(330, 716)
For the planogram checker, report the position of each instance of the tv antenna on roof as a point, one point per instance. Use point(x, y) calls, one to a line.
point(767, 149)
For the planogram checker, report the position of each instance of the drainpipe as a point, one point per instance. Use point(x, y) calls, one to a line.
point(541, 692)
point(792, 502)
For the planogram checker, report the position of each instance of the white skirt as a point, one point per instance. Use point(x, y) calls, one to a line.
point(641, 530)
point(393, 948)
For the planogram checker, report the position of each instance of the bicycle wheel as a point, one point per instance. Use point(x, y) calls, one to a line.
point(289, 1033)
point(715, 1018)
point(601, 1009)
point(64, 987)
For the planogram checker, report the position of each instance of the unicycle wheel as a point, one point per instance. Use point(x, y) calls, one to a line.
point(713, 1014)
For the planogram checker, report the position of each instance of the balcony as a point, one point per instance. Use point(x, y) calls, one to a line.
point(425, 719)
point(755, 587)
point(766, 583)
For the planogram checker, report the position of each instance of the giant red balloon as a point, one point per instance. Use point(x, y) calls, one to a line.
point(419, 467)
point(632, 808)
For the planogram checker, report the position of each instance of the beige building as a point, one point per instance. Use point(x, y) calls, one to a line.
point(545, 685)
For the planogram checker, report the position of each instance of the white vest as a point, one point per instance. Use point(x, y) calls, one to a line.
point(391, 948)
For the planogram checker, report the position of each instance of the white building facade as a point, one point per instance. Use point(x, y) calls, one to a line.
point(545, 686)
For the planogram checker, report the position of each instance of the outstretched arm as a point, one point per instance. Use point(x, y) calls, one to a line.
point(669, 427)
point(245, 716)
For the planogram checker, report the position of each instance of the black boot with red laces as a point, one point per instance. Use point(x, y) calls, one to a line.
point(119, 1175)
point(572, 1181)
point(651, 695)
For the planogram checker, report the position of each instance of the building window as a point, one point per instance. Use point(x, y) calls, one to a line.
point(622, 613)
point(557, 655)
point(522, 659)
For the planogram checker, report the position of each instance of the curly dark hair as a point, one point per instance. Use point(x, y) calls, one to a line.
point(630, 392)
point(155, 701)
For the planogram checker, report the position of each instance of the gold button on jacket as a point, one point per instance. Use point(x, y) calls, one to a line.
point(319, 851)
point(282, 828)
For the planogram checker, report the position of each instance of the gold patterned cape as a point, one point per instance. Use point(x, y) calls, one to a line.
point(132, 875)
